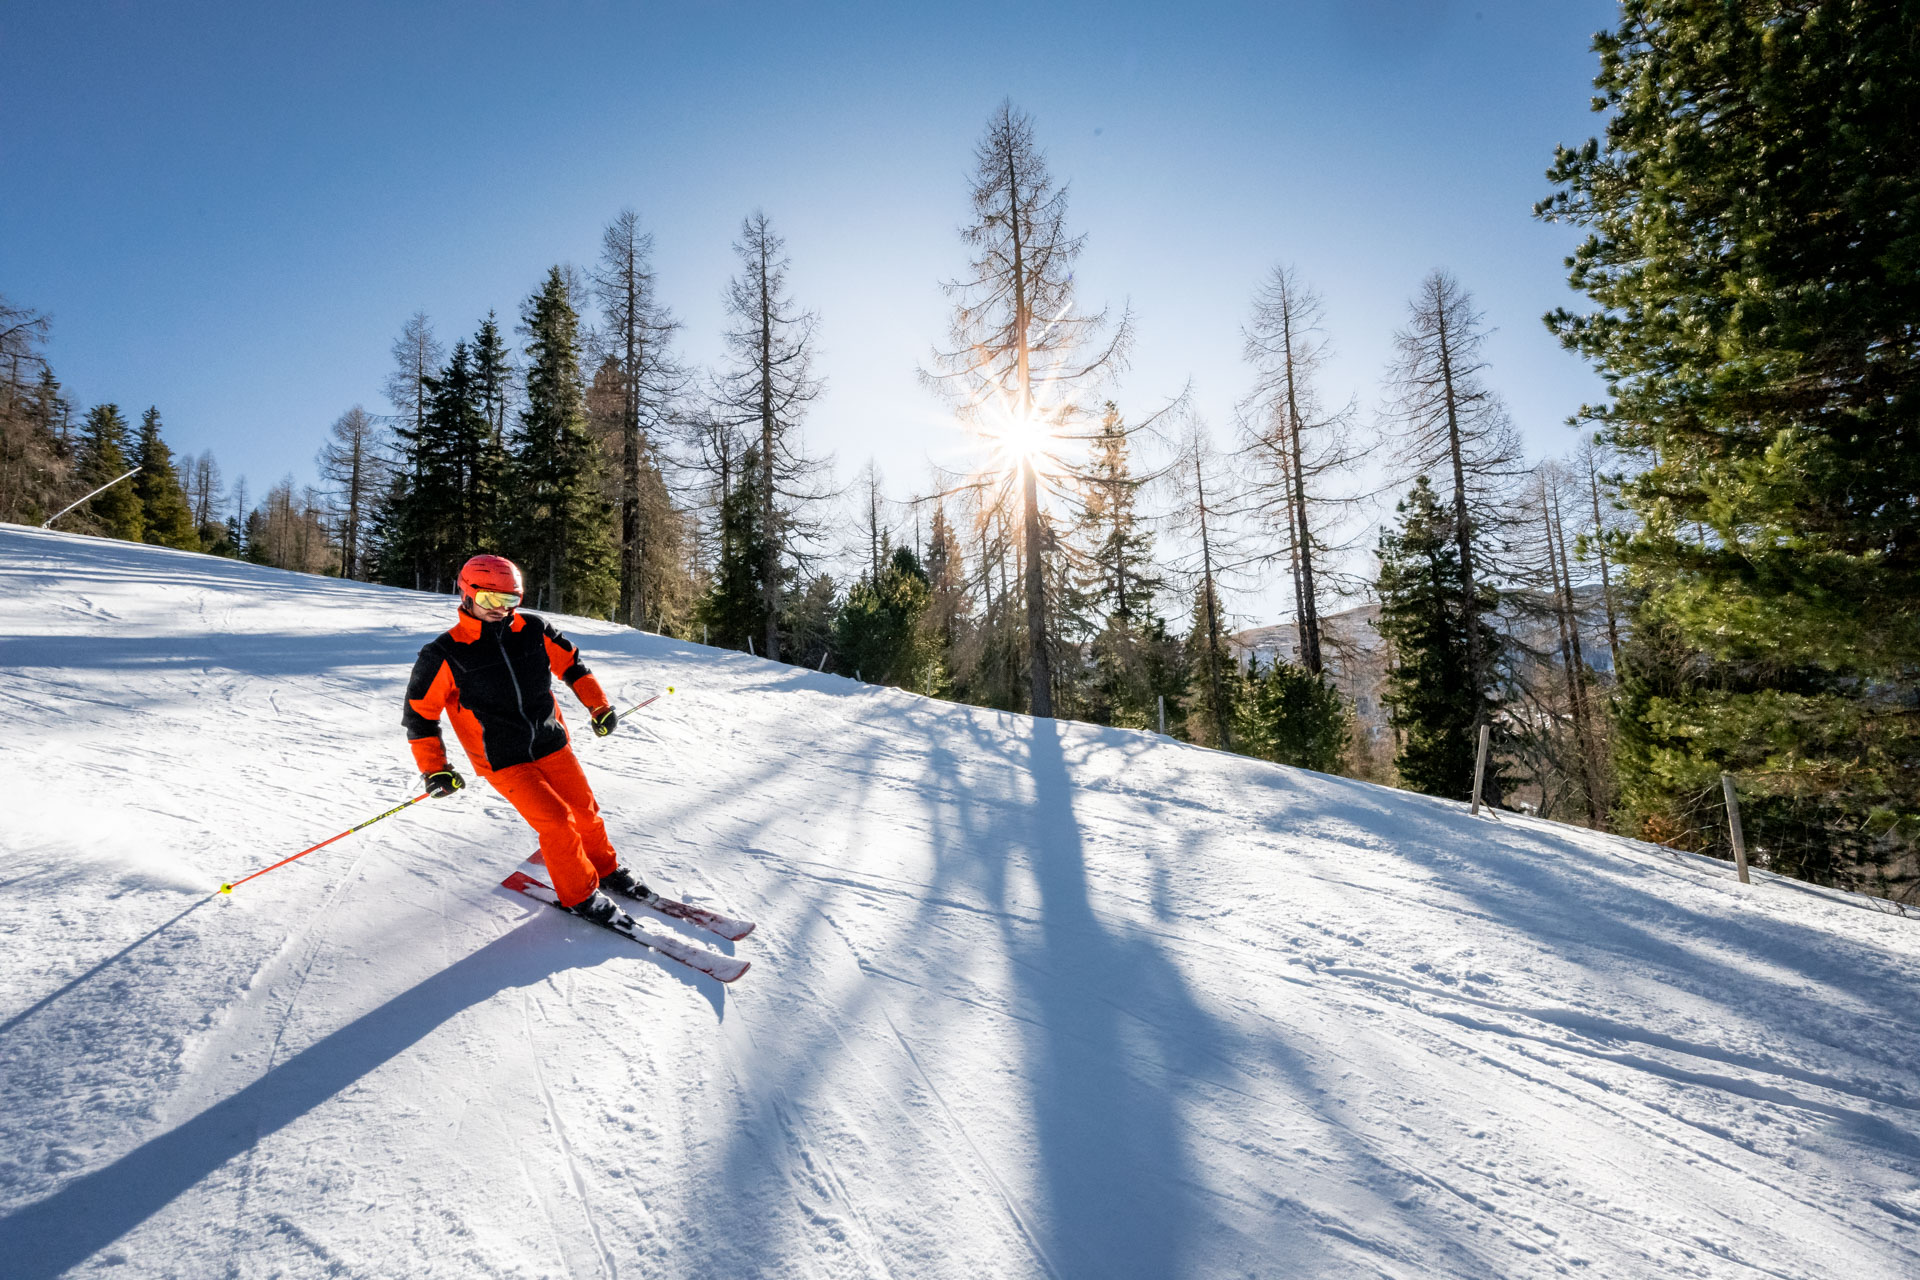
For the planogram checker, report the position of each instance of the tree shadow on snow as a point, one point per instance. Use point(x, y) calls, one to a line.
point(1121, 1185)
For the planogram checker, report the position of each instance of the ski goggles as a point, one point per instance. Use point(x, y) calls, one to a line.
point(495, 600)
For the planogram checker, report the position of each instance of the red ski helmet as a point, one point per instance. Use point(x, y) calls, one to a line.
point(490, 573)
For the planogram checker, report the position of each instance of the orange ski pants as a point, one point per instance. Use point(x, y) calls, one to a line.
point(553, 796)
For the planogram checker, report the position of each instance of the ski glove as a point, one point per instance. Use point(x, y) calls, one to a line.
point(444, 783)
point(603, 721)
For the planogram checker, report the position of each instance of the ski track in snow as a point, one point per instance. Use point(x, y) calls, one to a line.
point(1028, 999)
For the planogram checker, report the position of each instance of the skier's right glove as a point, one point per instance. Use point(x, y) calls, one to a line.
point(444, 783)
point(604, 720)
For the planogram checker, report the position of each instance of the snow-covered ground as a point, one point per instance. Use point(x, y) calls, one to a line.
point(1028, 999)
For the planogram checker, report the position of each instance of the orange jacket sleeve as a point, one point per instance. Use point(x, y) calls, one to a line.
point(427, 692)
point(564, 657)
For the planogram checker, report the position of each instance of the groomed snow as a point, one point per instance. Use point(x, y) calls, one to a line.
point(1028, 999)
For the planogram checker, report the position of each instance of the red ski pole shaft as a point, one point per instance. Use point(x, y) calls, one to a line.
point(229, 888)
point(644, 702)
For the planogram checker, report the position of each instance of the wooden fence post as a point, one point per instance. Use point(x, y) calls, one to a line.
point(1733, 825)
point(1480, 767)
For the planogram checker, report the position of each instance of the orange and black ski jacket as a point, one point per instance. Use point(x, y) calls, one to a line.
point(494, 680)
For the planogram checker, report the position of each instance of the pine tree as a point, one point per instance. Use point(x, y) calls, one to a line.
point(1291, 716)
point(1115, 582)
point(1753, 212)
point(493, 374)
point(563, 529)
point(102, 457)
point(1214, 697)
point(806, 621)
point(733, 611)
point(877, 632)
point(949, 602)
point(1436, 693)
point(166, 519)
point(471, 465)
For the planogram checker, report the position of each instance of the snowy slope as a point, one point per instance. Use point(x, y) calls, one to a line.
point(1028, 999)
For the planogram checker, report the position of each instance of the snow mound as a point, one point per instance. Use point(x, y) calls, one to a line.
point(1029, 998)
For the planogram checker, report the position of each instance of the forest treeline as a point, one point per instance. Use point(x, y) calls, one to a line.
point(1719, 577)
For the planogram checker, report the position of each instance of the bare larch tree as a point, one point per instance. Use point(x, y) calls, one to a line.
point(351, 460)
point(1292, 440)
point(639, 329)
point(767, 390)
point(1020, 360)
point(1450, 422)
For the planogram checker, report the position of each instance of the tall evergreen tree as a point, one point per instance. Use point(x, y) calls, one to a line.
point(166, 519)
point(1291, 716)
point(564, 529)
point(115, 513)
point(948, 599)
point(493, 374)
point(424, 535)
point(877, 632)
point(1437, 692)
point(1754, 256)
point(470, 464)
point(1213, 703)
point(733, 611)
point(1116, 581)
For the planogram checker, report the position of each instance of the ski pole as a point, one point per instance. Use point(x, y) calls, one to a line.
point(229, 888)
point(644, 702)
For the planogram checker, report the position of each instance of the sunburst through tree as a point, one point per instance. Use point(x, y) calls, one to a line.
point(1022, 361)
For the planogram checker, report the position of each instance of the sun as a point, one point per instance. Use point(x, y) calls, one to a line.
point(1019, 440)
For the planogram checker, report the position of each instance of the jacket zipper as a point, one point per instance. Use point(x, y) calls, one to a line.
point(519, 695)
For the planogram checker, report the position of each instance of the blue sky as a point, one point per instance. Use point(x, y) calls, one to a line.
point(229, 210)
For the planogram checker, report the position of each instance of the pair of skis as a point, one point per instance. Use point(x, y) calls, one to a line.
point(712, 963)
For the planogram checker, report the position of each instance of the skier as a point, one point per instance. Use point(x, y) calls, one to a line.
point(492, 675)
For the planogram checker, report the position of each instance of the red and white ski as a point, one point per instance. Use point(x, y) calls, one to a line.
point(700, 917)
point(712, 921)
point(711, 963)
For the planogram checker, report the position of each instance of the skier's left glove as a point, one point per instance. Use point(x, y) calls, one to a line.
point(443, 783)
point(604, 721)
